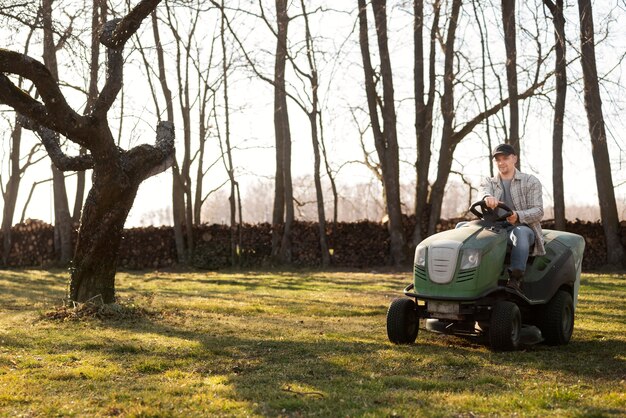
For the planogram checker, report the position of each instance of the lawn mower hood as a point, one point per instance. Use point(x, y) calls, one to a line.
point(462, 262)
point(468, 262)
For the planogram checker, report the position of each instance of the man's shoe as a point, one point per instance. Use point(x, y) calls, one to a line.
point(515, 280)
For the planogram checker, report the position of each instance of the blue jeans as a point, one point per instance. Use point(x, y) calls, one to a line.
point(520, 239)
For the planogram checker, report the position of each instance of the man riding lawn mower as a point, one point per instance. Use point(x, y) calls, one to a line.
point(466, 282)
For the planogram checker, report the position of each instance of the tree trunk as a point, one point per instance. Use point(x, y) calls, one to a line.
point(448, 143)
point(235, 235)
point(423, 114)
point(321, 212)
point(385, 137)
point(313, 123)
point(178, 215)
point(597, 132)
point(331, 178)
point(559, 112)
point(95, 262)
point(283, 213)
point(98, 17)
point(62, 217)
point(508, 20)
point(178, 198)
point(11, 192)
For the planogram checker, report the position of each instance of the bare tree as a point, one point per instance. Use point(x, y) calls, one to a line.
point(447, 110)
point(283, 214)
point(99, 13)
point(227, 155)
point(560, 71)
point(385, 135)
point(183, 63)
point(314, 121)
point(452, 135)
point(62, 217)
point(178, 199)
point(10, 190)
point(117, 173)
point(510, 29)
point(597, 133)
point(423, 112)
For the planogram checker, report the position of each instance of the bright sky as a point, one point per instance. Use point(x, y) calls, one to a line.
point(253, 135)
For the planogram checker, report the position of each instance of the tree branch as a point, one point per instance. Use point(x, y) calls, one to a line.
point(50, 141)
point(457, 136)
point(128, 25)
point(54, 113)
point(148, 160)
point(115, 76)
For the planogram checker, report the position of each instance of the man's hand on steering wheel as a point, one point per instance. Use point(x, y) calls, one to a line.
point(493, 203)
point(513, 219)
point(490, 213)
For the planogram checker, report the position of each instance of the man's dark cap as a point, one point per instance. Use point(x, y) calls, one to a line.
point(503, 149)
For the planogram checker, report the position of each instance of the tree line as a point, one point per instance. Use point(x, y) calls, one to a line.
point(475, 66)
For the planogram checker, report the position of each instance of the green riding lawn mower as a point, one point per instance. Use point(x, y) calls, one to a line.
point(459, 287)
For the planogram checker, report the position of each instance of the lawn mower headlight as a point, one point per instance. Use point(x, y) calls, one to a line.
point(420, 256)
point(470, 258)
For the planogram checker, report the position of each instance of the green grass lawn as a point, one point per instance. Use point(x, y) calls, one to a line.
point(288, 344)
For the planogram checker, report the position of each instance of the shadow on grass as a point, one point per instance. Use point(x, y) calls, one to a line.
point(291, 367)
point(21, 288)
point(303, 281)
point(286, 375)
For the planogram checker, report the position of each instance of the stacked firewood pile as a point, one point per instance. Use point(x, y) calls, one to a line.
point(150, 247)
point(32, 244)
point(212, 247)
point(363, 244)
point(360, 244)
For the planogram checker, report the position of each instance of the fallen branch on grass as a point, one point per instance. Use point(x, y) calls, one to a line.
point(290, 390)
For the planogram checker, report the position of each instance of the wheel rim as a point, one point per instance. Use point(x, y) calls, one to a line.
point(515, 329)
point(411, 322)
point(566, 320)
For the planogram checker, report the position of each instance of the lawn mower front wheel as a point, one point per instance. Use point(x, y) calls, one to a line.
point(402, 321)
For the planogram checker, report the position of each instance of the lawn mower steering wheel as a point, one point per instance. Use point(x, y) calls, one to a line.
point(489, 214)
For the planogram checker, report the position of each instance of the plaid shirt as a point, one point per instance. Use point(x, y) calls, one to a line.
point(527, 199)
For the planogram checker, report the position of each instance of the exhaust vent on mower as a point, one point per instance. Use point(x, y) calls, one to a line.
point(442, 258)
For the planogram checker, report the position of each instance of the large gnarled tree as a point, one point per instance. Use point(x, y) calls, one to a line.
point(117, 173)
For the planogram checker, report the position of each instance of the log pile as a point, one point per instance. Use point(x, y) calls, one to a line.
point(212, 247)
point(363, 244)
point(32, 244)
point(150, 247)
point(360, 244)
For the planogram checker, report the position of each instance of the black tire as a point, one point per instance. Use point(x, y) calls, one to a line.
point(557, 323)
point(505, 326)
point(402, 321)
